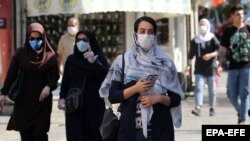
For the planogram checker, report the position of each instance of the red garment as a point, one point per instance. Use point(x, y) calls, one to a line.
point(217, 2)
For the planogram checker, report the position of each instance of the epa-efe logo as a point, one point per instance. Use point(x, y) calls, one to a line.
point(225, 132)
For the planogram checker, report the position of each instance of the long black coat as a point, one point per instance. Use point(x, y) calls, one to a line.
point(84, 124)
point(29, 111)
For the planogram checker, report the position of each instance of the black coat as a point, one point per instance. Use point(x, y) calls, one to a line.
point(162, 123)
point(29, 111)
point(202, 67)
point(84, 124)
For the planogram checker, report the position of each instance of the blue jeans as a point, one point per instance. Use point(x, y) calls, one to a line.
point(199, 89)
point(238, 90)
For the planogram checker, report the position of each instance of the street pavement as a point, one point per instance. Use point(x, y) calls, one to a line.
point(189, 131)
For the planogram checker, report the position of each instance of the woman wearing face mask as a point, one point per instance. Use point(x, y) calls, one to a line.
point(204, 47)
point(31, 114)
point(149, 109)
point(87, 64)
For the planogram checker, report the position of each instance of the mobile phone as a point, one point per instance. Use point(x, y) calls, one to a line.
point(152, 77)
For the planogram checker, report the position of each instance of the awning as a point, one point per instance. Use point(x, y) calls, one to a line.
point(52, 7)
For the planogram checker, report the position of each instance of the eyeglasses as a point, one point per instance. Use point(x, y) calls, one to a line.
point(33, 38)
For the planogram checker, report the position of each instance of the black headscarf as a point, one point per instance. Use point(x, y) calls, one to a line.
point(77, 58)
point(92, 41)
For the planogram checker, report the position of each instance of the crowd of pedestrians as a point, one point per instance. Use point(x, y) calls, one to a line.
point(150, 109)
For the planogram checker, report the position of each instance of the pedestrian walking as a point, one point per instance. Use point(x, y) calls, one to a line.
point(235, 43)
point(204, 47)
point(31, 114)
point(67, 42)
point(149, 108)
point(85, 69)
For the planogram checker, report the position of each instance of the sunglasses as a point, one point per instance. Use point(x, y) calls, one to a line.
point(83, 39)
point(33, 38)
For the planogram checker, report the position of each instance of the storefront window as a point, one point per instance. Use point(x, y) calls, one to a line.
point(162, 32)
point(108, 27)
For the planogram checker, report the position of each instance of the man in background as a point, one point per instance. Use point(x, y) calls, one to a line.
point(235, 43)
point(67, 42)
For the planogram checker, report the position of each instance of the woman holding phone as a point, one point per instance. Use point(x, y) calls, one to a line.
point(150, 109)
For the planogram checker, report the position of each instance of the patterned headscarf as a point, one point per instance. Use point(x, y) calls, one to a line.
point(139, 64)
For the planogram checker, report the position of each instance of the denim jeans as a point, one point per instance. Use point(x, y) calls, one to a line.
point(238, 90)
point(199, 89)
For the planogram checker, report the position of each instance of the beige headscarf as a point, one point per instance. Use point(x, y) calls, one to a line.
point(44, 57)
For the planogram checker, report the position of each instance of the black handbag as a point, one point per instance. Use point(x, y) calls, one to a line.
point(16, 88)
point(73, 101)
point(110, 122)
point(109, 126)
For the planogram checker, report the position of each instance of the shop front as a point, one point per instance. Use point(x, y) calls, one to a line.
point(114, 29)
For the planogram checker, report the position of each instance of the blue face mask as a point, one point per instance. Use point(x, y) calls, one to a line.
point(35, 44)
point(82, 46)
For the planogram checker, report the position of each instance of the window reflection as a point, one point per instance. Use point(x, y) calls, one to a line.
point(162, 32)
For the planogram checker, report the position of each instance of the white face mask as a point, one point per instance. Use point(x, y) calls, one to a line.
point(146, 41)
point(72, 30)
point(203, 29)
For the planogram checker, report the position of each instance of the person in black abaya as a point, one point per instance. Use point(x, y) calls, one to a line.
point(88, 64)
point(31, 114)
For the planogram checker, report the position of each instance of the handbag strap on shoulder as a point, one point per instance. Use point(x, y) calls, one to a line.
point(83, 84)
point(123, 67)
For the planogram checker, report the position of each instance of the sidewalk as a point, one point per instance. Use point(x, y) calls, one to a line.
point(190, 130)
point(191, 126)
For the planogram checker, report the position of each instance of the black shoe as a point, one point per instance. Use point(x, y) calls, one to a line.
point(240, 122)
point(196, 111)
point(249, 112)
point(211, 112)
point(238, 115)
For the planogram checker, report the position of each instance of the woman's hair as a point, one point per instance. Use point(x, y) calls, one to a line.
point(147, 19)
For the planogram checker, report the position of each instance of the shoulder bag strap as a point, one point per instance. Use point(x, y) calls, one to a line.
point(83, 85)
point(122, 81)
point(123, 66)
